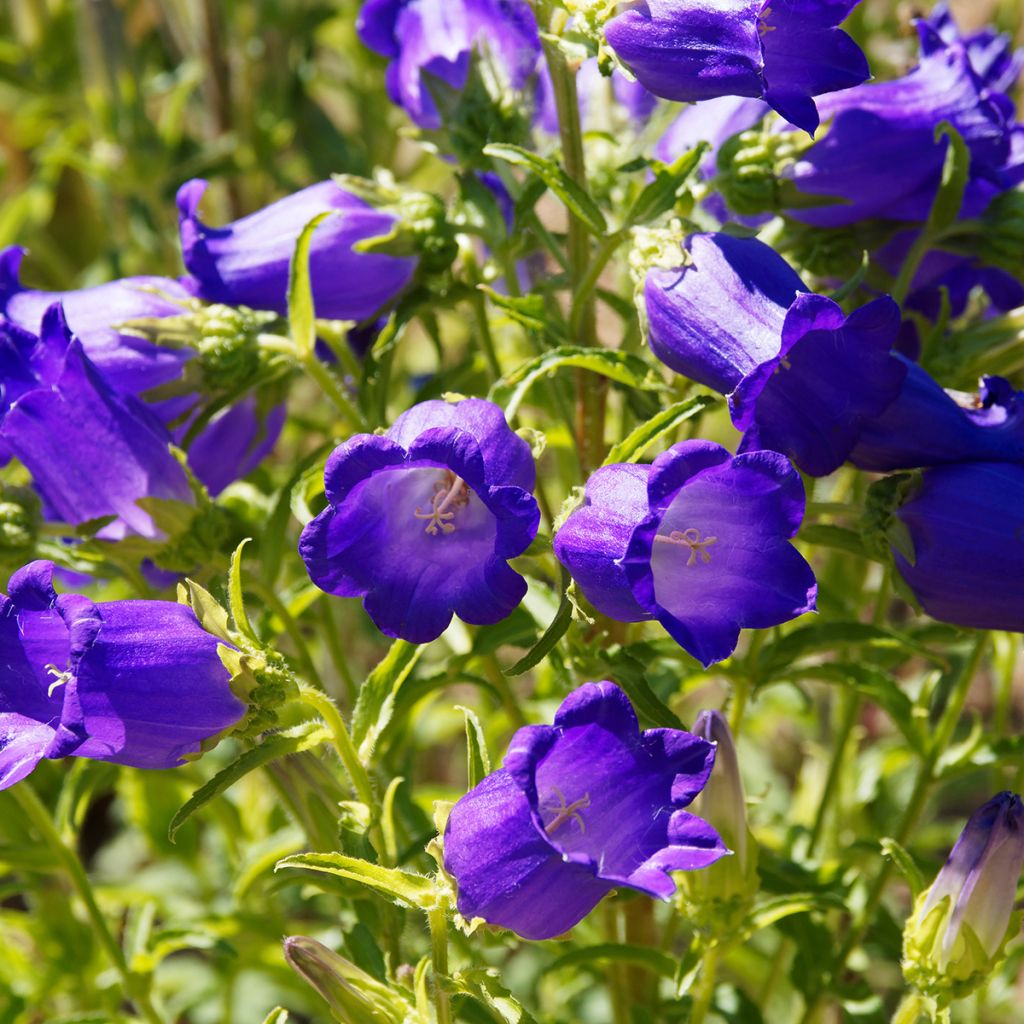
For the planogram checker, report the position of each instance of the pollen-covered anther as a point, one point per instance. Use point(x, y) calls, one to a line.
point(691, 539)
point(451, 495)
point(763, 28)
point(565, 812)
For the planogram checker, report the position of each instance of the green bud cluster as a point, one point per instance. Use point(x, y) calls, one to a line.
point(422, 216)
point(268, 683)
point(750, 171)
point(227, 345)
point(880, 528)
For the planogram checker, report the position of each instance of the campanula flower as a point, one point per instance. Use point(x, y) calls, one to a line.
point(963, 553)
point(802, 377)
point(699, 540)
point(107, 681)
point(991, 53)
point(435, 39)
point(579, 808)
point(928, 426)
point(960, 924)
point(421, 521)
point(246, 262)
point(785, 53)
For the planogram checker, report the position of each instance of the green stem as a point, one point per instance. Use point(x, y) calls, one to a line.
point(333, 390)
point(910, 1009)
point(706, 986)
point(438, 921)
point(134, 986)
point(851, 706)
point(585, 289)
point(291, 627)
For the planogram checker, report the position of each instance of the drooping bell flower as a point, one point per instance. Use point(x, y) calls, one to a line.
point(784, 53)
point(92, 452)
point(991, 53)
point(436, 39)
point(880, 157)
point(246, 262)
point(129, 363)
point(421, 521)
point(954, 939)
point(802, 377)
point(699, 540)
point(137, 683)
point(579, 808)
point(962, 553)
point(928, 426)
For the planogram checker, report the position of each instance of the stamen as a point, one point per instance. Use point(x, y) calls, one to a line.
point(691, 539)
point(451, 492)
point(59, 678)
point(763, 27)
point(565, 812)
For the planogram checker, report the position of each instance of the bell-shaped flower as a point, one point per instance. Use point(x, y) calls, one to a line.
point(436, 39)
point(784, 53)
point(246, 262)
point(137, 683)
point(992, 54)
point(421, 521)
point(961, 547)
point(579, 808)
point(802, 377)
point(955, 937)
point(699, 540)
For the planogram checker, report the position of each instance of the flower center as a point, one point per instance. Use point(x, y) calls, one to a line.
point(763, 28)
point(564, 812)
point(691, 539)
point(450, 494)
point(59, 678)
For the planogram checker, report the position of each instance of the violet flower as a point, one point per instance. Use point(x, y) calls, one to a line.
point(802, 377)
point(699, 541)
point(928, 426)
point(421, 521)
point(426, 39)
point(963, 550)
point(991, 53)
point(246, 262)
point(91, 451)
point(579, 808)
point(105, 681)
point(784, 53)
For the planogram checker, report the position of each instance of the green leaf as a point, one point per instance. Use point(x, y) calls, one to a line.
point(484, 986)
point(211, 615)
point(775, 908)
point(402, 887)
point(576, 201)
point(618, 366)
point(527, 310)
point(301, 313)
point(236, 600)
point(653, 960)
point(278, 1015)
point(660, 195)
point(633, 446)
point(556, 630)
point(478, 762)
point(955, 169)
point(838, 537)
point(376, 701)
point(627, 668)
point(291, 741)
point(908, 869)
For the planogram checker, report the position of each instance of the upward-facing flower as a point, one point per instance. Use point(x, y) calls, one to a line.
point(955, 937)
point(785, 53)
point(802, 377)
point(246, 262)
point(138, 683)
point(699, 541)
point(421, 522)
point(579, 808)
point(436, 39)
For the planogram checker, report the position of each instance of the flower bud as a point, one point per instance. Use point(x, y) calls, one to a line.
point(955, 937)
point(751, 168)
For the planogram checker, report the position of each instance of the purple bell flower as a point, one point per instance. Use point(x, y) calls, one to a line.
point(91, 451)
point(579, 808)
point(880, 156)
point(801, 376)
point(965, 560)
point(436, 38)
point(785, 53)
point(421, 522)
point(928, 426)
point(991, 53)
point(699, 541)
point(246, 262)
point(106, 681)
point(130, 364)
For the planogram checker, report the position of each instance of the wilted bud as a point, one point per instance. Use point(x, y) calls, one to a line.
point(719, 896)
point(354, 997)
point(955, 937)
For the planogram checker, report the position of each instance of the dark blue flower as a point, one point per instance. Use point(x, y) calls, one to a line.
point(991, 53)
point(965, 561)
point(699, 541)
point(421, 522)
point(579, 808)
point(106, 681)
point(426, 39)
point(246, 262)
point(802, 377)
point(785, 52)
